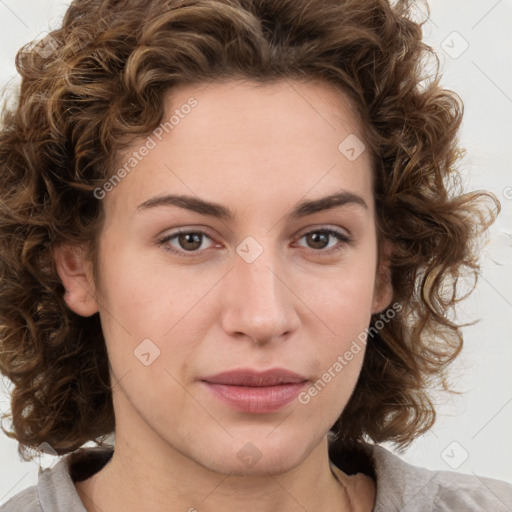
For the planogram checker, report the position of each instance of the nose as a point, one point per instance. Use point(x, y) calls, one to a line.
point(258, 302)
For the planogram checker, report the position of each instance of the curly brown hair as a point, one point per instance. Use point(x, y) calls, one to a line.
point(100, 81)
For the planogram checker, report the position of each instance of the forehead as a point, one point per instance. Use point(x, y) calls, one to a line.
point(244, 137)
point(245, 112)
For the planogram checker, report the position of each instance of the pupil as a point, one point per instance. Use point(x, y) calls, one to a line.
point(193, 238)
point(319, 236)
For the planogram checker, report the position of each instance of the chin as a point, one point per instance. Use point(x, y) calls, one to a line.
point(259, 454)
point(275, 464)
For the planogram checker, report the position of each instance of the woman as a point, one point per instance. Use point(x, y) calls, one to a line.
point(231, 236)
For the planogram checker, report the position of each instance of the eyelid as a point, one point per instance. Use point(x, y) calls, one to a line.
point(324, 227)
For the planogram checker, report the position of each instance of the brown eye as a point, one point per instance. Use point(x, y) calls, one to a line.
point(183, 242)
point(189, 241)
point(319, 240)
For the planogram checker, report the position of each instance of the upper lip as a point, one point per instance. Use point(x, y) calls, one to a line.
point(250, 377)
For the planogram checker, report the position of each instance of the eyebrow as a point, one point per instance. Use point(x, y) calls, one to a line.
point(219, 211)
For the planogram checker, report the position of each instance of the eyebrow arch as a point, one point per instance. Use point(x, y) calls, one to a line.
point(221, 212)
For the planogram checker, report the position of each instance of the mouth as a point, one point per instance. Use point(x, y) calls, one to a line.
point(255, 392)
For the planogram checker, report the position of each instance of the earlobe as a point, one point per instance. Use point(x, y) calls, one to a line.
point(74, 270)
point(383, 291)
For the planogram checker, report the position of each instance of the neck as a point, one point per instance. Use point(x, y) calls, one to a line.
point(167, 481)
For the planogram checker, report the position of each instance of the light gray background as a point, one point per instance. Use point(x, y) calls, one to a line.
point(472, 434)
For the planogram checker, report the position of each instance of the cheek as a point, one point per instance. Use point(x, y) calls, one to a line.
point(341, 314)
point(135, 294)
point(327, 396)
point(149, 310)
point(342, 299)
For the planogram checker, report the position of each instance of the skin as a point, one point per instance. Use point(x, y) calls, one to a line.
point(257, 150)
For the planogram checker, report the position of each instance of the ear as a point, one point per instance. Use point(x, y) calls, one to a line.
point(75, 272)
point(383, 291)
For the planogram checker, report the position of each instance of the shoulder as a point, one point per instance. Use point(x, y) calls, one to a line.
point(405, 487)
point(55, 490)
point(25, 501)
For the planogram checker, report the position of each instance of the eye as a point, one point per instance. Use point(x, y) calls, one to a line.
point(190, 243)
point(318, 240)
point(187, 242)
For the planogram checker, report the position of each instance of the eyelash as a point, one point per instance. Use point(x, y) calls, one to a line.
point(342, 237)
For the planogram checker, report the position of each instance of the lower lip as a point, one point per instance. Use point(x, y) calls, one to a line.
point(256, 400)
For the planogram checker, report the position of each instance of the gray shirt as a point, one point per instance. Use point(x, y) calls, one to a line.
point(401, 487)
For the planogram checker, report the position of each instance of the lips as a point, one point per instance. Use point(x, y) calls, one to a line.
point(254, 378)
point(256, 392)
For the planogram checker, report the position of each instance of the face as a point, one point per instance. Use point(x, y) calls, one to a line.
point(264, 278)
